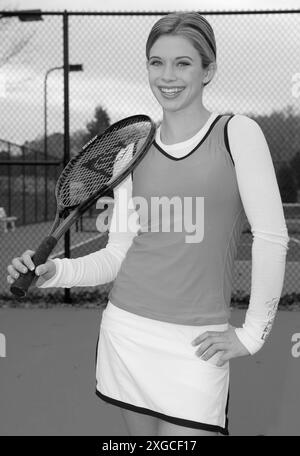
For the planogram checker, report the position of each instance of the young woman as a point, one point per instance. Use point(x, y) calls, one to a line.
point(165, 341)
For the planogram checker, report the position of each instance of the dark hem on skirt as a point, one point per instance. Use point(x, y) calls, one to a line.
point(171, 419)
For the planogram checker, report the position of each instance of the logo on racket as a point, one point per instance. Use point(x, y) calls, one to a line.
point(97, 164)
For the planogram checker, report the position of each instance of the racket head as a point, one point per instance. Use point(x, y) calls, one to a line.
point(132, 138)
point(104, 161)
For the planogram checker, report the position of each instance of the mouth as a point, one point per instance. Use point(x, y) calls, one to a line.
point(170, 92)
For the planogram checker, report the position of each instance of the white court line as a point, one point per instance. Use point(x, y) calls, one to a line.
point(77, 245)
point(297, 241)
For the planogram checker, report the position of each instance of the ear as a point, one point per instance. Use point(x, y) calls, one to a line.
point(210, 72)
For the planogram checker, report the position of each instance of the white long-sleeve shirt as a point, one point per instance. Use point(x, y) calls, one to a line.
point(263, 207)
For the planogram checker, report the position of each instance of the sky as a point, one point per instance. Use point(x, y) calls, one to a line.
point(150, 5)
point(255, 65)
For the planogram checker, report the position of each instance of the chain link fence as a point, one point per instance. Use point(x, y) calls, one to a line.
point(258, 75)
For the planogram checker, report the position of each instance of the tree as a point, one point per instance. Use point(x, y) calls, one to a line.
point(281, 129)
point(98, 124)
point(55, 146)
point(77, 141)
point(295, 166)
point(287, 184)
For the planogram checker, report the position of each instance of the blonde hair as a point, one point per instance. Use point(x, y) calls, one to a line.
point(191, 25)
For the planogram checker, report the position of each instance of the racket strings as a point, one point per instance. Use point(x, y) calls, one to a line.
point(102, 160)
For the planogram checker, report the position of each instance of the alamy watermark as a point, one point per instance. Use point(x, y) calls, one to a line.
point(160, 214)
point(296, 85)
point(296, 347)
point(2, 346)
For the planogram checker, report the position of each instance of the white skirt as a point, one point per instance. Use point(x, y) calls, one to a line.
point(149, 366)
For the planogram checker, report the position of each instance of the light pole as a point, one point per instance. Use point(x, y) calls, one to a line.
point(77, 67)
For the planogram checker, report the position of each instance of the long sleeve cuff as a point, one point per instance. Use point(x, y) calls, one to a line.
point(268, 268)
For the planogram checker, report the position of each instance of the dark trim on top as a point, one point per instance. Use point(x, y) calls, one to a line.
point(170, 419)
point(226, 138)
point(195, 148)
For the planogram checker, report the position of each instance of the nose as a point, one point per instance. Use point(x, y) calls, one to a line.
point(168, 72)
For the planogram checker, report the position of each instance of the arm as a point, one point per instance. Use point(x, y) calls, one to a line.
point(101, 266)
point(263, 206)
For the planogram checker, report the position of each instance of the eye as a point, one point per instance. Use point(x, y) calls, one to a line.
point(183, 64)
point(154, 62)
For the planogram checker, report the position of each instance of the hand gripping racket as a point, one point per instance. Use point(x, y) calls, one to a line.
point(102, 164)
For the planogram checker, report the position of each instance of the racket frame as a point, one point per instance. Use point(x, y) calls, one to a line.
point(72, 213)
point(78, 210)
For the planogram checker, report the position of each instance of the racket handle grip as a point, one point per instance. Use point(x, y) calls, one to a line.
point(21, 285)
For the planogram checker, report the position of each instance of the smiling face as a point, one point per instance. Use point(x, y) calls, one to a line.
point(175, 73)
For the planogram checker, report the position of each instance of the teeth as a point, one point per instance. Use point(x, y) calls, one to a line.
point(173, 90)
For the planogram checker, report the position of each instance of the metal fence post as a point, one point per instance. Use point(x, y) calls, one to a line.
point(67, 236)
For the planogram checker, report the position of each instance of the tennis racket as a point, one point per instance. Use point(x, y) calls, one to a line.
point(102, 164)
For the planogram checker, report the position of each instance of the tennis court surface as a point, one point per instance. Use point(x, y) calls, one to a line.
point(47, 379)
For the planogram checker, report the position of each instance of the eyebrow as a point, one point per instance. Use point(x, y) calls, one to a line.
point(176, 58)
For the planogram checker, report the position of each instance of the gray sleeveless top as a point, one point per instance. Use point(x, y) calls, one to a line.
point(179, 268)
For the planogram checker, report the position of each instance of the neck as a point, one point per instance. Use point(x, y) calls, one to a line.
point(180, 126)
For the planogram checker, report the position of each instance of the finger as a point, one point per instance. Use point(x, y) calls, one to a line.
point(18, 265)
point(41, 269)
point(26, 257)
point(29, 252)
point(204, 346)
point(212, 351)
point(208, 342)
point(205, 335)
point(200, 338)
point(10, 280)
point(10, 269)
point(13, 272)
point(223, 360)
